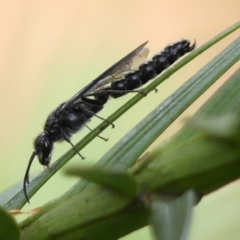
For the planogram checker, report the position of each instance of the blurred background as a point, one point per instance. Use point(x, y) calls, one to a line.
point(50, 49)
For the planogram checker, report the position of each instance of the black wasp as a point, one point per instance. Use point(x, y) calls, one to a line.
point(72, 115)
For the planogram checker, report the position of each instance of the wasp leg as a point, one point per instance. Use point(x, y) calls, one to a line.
point(105, 139)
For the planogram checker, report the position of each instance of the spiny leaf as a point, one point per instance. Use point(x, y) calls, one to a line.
point(226, 126)
point(120, 181)
point(171, 217)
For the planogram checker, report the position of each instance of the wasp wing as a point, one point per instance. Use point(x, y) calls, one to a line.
point(123, 65)
point(119, 73)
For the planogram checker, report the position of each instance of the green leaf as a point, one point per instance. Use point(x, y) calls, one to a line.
point(117, 180)
point(8, 193)
point(8, 227)
point(171, 216)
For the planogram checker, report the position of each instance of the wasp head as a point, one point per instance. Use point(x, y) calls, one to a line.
point(43, 146)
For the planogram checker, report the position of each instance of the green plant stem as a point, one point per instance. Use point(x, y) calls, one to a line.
point(203, 164)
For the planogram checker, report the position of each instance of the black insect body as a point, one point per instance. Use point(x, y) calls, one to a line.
point(146, 71)
point(61, 124)
point(72, 115)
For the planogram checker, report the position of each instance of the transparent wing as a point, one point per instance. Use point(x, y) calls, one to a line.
point(119, 73)
point(123, 65)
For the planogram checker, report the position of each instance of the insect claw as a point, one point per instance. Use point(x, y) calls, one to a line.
point(141, 91)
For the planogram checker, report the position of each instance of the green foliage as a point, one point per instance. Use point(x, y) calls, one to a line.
point(191, 160)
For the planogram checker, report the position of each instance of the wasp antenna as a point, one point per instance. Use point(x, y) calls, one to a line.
point(193, 45)
point(26, 176)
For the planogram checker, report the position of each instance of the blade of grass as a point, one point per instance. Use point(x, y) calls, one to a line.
point(219, 106)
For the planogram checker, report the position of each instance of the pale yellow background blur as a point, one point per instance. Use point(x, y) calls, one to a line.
point(50, 49)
